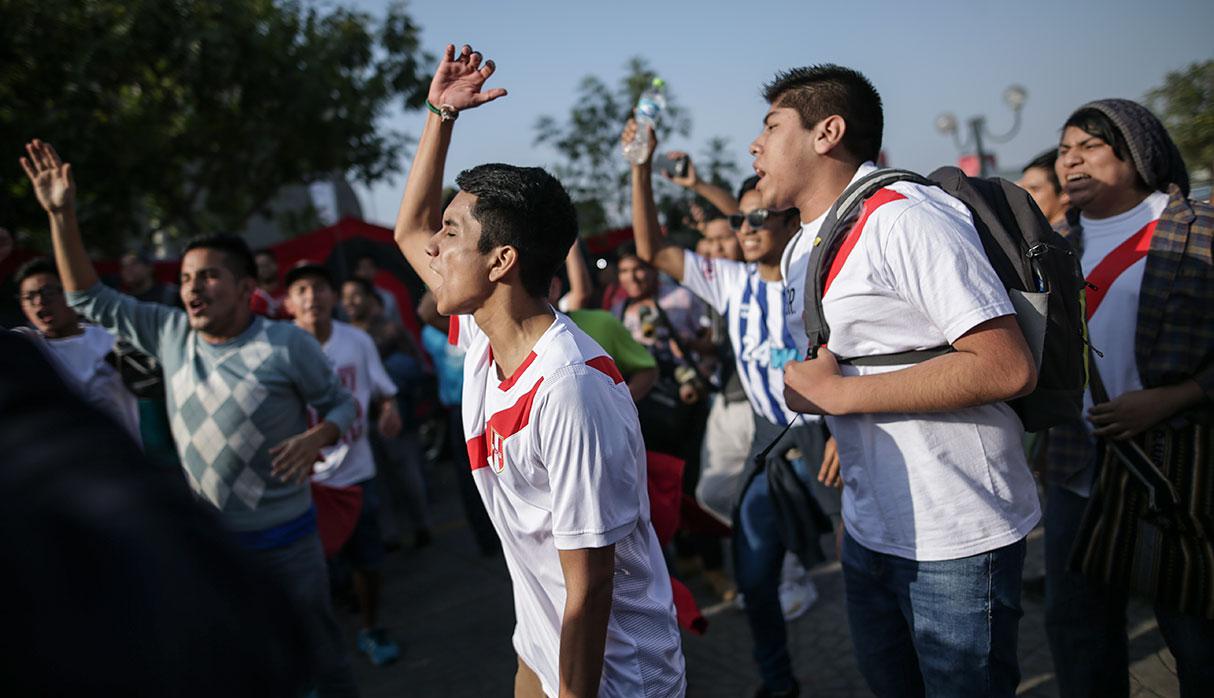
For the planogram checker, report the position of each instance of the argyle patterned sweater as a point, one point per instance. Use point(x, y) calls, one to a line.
point(230, 403)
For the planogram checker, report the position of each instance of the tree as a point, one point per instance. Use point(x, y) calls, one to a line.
point(1185, 104)
point(593, 167)
point(189, 116)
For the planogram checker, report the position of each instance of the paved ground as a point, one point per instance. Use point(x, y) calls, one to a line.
point(452, 611)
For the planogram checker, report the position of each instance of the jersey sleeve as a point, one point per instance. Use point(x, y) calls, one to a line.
point(461, 330)
point(935, 261)
point(713, 280)
point(591, 457)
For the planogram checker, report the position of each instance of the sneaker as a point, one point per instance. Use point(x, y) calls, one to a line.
point(796, 596)
point(378, 648)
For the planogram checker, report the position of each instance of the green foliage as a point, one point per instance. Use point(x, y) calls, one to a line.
point(188, 116)
point(593, 167)
point(1185, 104)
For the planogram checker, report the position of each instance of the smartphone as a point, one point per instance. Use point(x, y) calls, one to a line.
point(675, 167)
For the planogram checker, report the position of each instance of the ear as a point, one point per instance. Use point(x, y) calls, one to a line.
point(502, 261)
point(245, 287)
point(828, 134)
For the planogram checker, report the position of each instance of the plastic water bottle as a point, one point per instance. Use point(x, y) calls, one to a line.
point(651, 103)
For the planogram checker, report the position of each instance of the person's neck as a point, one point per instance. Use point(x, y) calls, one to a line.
point(321, 329)
point(268, 286)
point(513, 321)
point(830, 179)
point(363, 323)
point(64, 332)
point(769, 269)
point(143, 287)
point(1115, 204)
point(233, 329)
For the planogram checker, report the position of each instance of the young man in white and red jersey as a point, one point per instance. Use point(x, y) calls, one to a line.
point(937, 495)
point(347, 503)
point(750, 295)
point(553, 436)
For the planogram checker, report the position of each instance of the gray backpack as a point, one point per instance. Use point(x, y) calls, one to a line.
point(1036, 265)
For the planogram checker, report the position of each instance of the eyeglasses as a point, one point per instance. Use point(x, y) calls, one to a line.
point(756, 218)
point(44, 294)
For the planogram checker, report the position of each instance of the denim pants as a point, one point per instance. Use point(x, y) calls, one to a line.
point(1086, 622)
point(942, 628)
point(299, 568)
point(759, 555)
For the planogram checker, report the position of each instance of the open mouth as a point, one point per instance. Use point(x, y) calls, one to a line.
point(1077, 176)
point(196, 306)
point(45, 316)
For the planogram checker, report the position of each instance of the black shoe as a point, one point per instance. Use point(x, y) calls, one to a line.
point(765, 692)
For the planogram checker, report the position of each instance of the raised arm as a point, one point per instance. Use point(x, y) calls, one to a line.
point(456, 87)
point(56, 192)
point(650, 246)
point(715, 195)
point(580, 286)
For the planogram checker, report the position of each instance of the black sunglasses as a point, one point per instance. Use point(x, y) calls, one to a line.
point(756, 218)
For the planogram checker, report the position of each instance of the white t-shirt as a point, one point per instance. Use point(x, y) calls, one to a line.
point(935, 486)
point(356, 361)
point(80, 360)
point(761, 334)
point(557, 455)
point(1112, 327)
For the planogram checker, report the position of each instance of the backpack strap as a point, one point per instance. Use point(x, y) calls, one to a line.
point(830, 236)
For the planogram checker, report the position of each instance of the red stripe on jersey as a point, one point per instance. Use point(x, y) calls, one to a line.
point(478, 453)
point(606, 365)
point(518, 372)
point(874, 202)
point(500, 427)
point(453, 330)
point(1109, 269)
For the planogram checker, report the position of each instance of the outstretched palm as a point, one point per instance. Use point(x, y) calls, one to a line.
point(51, 177)
point(458, 81)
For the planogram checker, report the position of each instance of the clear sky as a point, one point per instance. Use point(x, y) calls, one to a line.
point(924, 57)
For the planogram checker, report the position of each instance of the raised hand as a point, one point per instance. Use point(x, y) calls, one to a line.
point(688, 180)
point(459, 80)
point(630, 132)
point(51, 177)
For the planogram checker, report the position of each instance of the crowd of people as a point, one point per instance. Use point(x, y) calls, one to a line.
point(833, 381)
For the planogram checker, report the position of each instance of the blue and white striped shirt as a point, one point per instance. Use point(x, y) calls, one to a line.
point(762, 339)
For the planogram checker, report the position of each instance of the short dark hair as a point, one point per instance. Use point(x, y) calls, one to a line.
point(37, 265)
point(235, 251)
point(366, 286)
point(818, 91)
point(528, 209)
point(1094, 122)
point(1045, 161)
point(748, 184)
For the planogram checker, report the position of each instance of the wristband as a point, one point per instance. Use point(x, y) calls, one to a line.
point(446, 112)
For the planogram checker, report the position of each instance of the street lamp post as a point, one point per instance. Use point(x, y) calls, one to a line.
point(1014, 96)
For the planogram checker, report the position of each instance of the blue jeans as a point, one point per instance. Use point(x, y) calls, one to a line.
point(299, 568)
point(943, 628)
point(1086, 623)
point(759, 556)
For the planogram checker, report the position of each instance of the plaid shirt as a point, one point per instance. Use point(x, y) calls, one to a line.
point(1174, 338)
